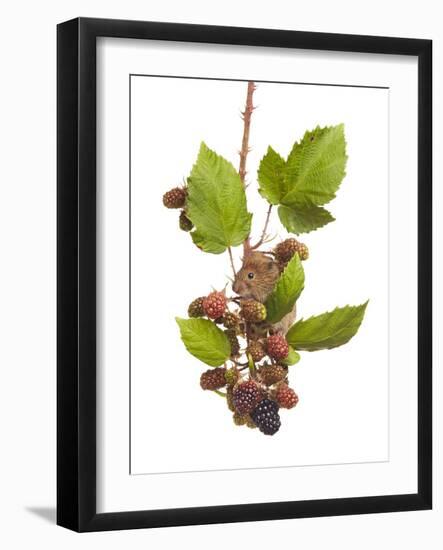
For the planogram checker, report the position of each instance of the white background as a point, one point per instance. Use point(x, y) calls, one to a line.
point(348, 264)
point(116, 489)
point(27, 221)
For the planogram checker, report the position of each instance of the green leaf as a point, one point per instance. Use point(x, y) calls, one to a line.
point(327, 331)
point(205, 244)
point(204, 340)
point(304, 218)
point(216, 203)
point(316, 167)
point(287, 289)
point(292, 358)
point(271, 177)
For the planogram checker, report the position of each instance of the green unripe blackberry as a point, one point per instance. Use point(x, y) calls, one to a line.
point(250, 423)
point(285, 250)
point(303, 252)
point(253, 311)
point(231, 376)
point(256, 350)
point(239, 419)
point(230, 399)
point(230, 320)
point(195, 308)
point(184, 222)
point(233, 340)
point(271, 374)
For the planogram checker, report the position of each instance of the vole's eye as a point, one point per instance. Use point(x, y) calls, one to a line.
point(250, 275)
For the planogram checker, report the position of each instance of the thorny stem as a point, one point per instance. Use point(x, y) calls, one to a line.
point(220, 393)
point(246, 115)
point(265, 228)
point(231, 259)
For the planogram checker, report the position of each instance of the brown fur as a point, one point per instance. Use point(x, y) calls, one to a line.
point(265, 273)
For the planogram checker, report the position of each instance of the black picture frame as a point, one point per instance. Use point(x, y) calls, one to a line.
point(76, 273)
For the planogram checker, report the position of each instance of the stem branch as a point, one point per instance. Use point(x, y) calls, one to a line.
point(265, 228)
point(231, 259)
point(246, 115)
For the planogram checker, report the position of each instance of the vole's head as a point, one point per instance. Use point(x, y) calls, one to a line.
point(257, 277)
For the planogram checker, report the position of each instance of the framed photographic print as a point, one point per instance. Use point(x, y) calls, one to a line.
point(244, 274)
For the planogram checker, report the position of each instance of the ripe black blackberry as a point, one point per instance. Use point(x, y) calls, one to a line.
point(266, 417)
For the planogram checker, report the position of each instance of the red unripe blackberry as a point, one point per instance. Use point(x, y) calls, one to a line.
point(277, 346)
point(175, 198)
point(195, 308)
point(245, 397)
point(286, 396)
point(213, 379)
point(266, 417)
point(214, 304)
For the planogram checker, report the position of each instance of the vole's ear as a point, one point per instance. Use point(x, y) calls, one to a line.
point(270, 265)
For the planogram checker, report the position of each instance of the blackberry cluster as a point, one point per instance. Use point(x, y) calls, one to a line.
point(254, 378)
point(265, 416)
